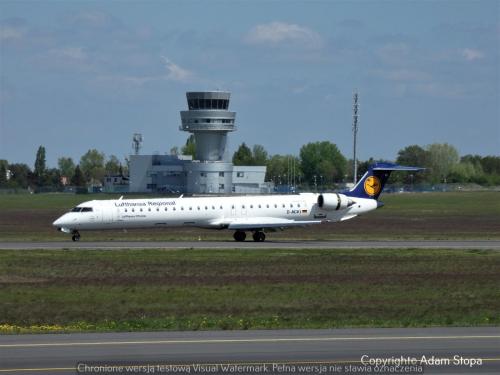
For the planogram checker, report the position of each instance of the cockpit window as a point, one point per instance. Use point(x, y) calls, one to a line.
point(82, 209)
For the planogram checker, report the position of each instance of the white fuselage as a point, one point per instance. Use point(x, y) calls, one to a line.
point(233, 212)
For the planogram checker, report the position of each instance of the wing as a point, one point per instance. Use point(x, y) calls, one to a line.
point(264, 222)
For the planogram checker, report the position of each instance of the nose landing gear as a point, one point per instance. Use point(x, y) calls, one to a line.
point(76, 236)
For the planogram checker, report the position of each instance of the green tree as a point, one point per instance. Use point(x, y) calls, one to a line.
point(243, 156)
point(78, 178)
point(323, 160)
point(40, 167)
point(442, 157)
point(113, 166)
point(491, 164)
point(21, 175)
point(53, 178)
point(259, 155)
point(363, 167)
point(174, 151)
point(66, 166)
point(4, 166)
point(190, 147)
point(414, 156)
point(92, 166)
point(279, 167)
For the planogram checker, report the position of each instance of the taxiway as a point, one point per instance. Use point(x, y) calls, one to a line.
point(291, 244)
point(68, 353)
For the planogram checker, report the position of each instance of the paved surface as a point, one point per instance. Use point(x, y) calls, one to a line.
point(479, 244)
point(334, 349)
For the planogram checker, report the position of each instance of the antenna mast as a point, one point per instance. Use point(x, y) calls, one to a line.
point(137, 143)
point(355, 133)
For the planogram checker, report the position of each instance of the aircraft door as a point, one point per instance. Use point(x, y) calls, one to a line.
point(107, 214)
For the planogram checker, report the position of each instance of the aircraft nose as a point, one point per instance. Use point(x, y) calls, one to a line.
point(60, 221)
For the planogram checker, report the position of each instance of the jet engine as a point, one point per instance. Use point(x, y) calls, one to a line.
point(334, 201)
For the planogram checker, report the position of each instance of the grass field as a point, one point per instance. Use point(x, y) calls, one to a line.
point(67, 290)
point(465, 215)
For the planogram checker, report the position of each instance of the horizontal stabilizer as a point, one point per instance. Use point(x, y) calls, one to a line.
point(395, 167)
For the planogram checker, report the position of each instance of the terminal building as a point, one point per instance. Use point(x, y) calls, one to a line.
point(211, 171)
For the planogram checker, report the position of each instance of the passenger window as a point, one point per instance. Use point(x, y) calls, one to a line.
point(298, 205)
point(198, 208)
point(133, 209)
point(140, 209)
point(283, 205)
point(125, 210)
point(232, 207)
point(165, 208)
point(259, 206)
point(206, 208)
point(291, 205)
point(243, 206)
point(251, 206)
point(267, 205)
point(182, 208)
point(221, 207)
point(213, 207)
point(157, 209)
point(190, 208)
point(149, 209)
point(174, 208)
point(275, 206)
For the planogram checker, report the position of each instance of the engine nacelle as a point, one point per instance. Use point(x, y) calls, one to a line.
point(334, 201)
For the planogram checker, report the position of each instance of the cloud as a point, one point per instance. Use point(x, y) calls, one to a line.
point(470, 54)
point(403, 75)
point(175, 72)
point(275, 33)
point(93, 19)
point(394, 53)
point(10, 33)
point(71, 53)
point(437, 89)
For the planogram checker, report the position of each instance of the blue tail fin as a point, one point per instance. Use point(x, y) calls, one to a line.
point(373, 181)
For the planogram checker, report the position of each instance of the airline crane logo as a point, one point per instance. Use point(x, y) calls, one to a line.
point(372, 186)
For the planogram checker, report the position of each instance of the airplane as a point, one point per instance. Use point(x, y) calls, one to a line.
point(256, 214)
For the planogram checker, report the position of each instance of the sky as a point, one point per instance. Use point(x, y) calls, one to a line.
point(76, 75)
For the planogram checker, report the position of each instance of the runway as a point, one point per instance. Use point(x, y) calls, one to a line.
point(381, 244)
point(476, 350)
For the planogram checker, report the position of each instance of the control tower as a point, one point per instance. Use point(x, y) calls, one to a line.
point(209, 119)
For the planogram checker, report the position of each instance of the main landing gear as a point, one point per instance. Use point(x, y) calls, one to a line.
point(239, 236)
point(258, 236)
point(76, 236)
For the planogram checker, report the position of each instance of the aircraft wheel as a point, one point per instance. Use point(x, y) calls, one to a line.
point(259, 237)
point(76, 237)
point(239, 236)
